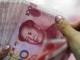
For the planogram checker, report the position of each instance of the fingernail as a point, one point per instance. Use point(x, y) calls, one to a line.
point(58, 19)
point(7, 46)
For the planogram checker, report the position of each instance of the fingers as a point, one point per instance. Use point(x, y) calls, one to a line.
point(5, 52)
point(65, 27)
point(72, 35)
point(76, 25)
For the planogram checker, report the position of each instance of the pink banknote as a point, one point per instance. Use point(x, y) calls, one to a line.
point(36, 36)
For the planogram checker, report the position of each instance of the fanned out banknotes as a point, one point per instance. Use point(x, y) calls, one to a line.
point(31, 32)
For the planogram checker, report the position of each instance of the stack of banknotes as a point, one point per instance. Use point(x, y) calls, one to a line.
point(31, 32)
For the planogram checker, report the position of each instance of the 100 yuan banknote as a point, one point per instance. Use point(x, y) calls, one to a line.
point(35, 33)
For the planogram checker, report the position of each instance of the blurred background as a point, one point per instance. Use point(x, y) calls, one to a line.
point(70, 8)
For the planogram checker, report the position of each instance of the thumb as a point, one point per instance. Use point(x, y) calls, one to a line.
point(72, 35)
point(65, 27)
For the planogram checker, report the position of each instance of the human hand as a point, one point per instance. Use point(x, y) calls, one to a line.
point(4, 52)
point(71, 33)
